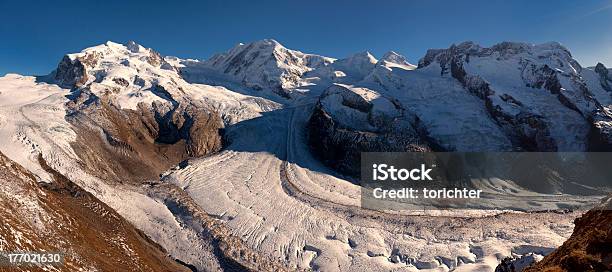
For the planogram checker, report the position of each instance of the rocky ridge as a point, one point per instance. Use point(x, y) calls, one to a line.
point(347, 121)
point(511, 96)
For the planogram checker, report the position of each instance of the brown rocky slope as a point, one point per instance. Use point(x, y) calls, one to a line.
point(62, 217)
point(588, 249)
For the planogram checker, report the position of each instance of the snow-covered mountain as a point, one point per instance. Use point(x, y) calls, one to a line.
point(268, 65)
point(511, 96)
point(260, 65)
point(519, 83)
point(129, 74)
point(138, 101)
point(392, 59)
point(125, 124)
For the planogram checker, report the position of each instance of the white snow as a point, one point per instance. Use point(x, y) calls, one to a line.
point(457, 119)
point(594, 84)
point(568, 127)
point(32, 122)
point(372, 105)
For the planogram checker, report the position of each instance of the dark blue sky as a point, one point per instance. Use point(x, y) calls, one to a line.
point(35, 34)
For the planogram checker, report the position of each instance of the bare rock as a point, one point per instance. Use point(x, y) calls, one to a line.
point(339, 142)
point(73, 72)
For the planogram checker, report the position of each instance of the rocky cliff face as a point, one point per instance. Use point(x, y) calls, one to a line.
point(72, 72)
point(347, 121)
point(605, 76)
point(506, 94)
point(142, 143)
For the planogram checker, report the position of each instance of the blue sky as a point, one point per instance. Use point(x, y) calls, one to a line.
point(35, 34)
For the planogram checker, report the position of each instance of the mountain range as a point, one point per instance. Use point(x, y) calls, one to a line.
point(248, 160)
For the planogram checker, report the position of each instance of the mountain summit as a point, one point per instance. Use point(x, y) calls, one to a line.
point(264, 64)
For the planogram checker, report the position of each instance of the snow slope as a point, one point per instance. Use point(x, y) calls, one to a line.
point(456, 119)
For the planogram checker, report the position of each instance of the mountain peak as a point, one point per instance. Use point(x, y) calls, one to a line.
point(364, 56)
point(135, 47)
point(355, 66)
point(600, 68)
point(553, 45)
point(110, 48)
point(504, 50)
point(392, 58)
point(97, 62)
point(390, 54)
point(271, 42)
point(113, 44)
point(265, 45)
point(263, 64)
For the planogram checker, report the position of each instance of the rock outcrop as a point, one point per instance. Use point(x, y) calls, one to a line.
point(347, 121)
point(141, 143)
point(72, 71)
point(604, 76)
point(588, 249)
